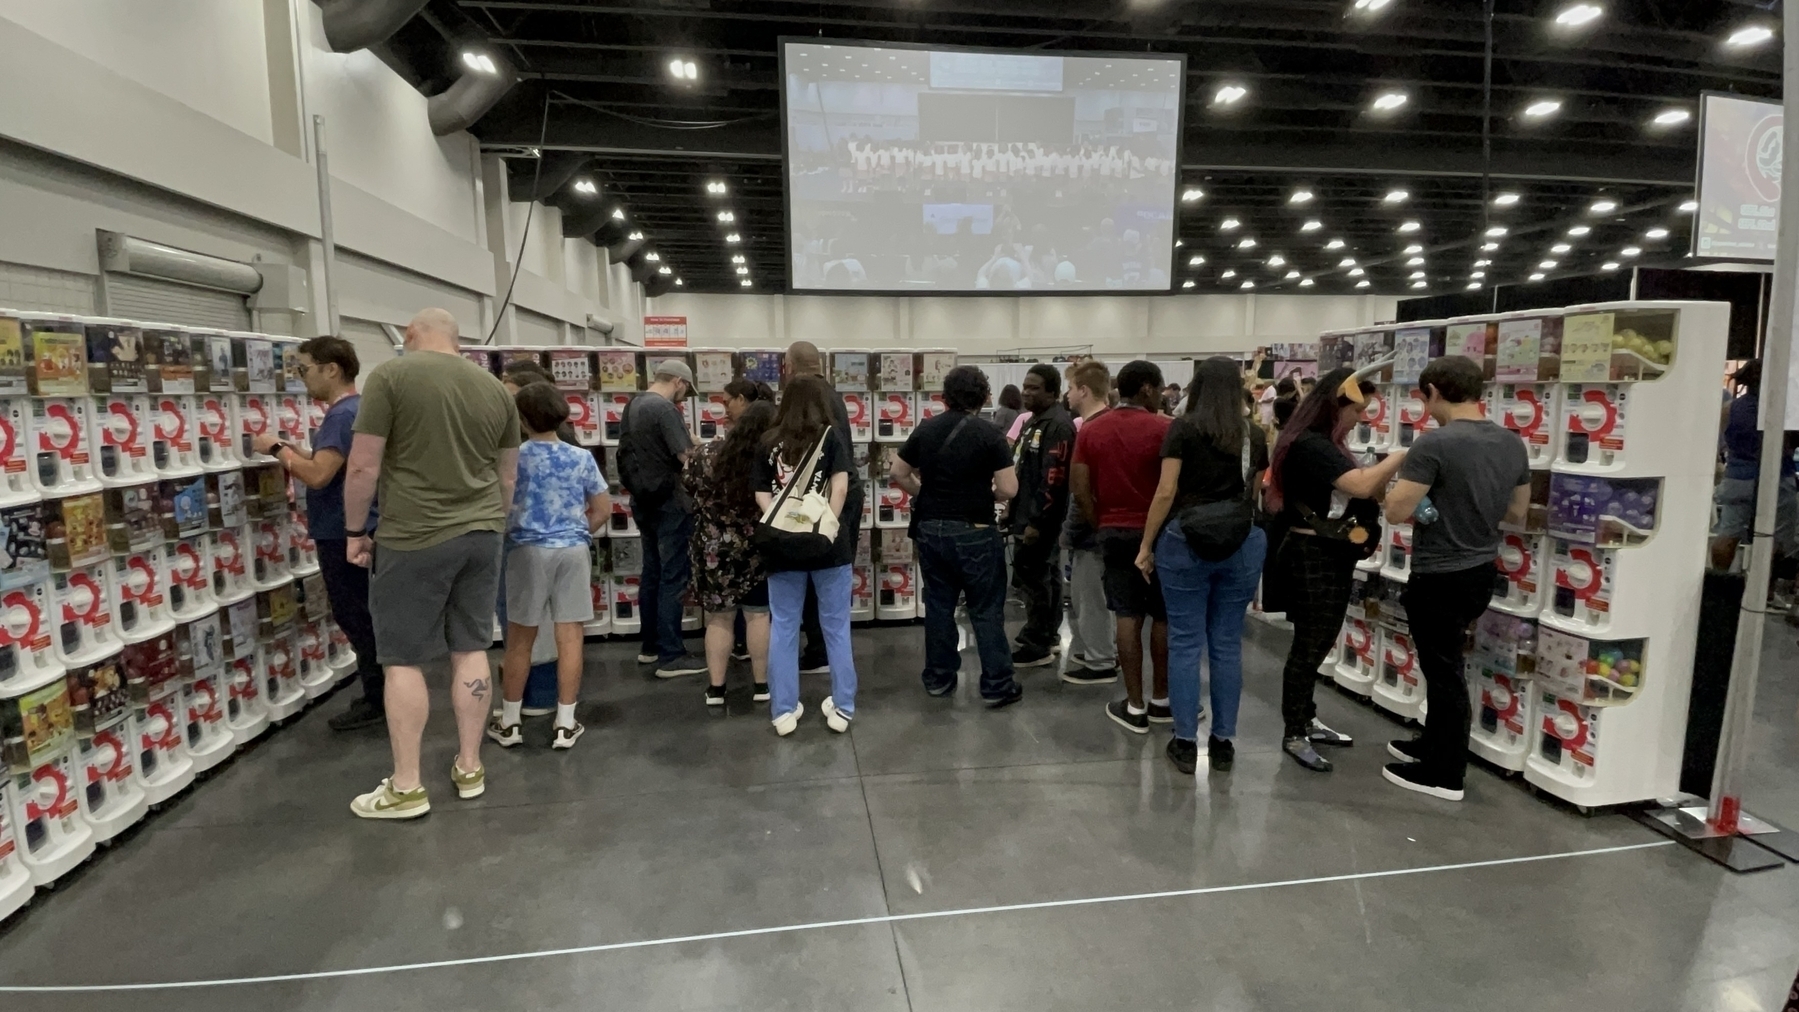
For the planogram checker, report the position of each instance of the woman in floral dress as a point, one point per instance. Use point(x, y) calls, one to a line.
point(727, 572)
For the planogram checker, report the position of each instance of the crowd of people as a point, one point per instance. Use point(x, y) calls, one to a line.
point(905, 165)
point(1171, 508)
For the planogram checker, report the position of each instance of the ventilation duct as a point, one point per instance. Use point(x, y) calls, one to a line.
point(611, 232)
point(558, 168)
point(462, 104)
point(642, 269)
point(585, 214)
point(123, 254)
point(358, 24)
point(658, 284)
point(621, 251)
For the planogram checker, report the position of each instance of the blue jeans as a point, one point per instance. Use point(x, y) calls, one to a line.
point(666, 530)
point(1206, 602)
point(957, 558)
point(786, 605)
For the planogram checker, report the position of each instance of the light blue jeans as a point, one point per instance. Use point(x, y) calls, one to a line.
point(786, 605)
point(1207, 602)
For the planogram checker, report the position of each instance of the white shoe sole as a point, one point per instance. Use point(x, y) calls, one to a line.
point(1089, 676)
point(1401, 756)
point(1443, 793)
point(834, 718)
point(678, 672)
point(786, 722)
point(1132, 728)
point(715, 700)
point(647, 658)
point(506, 740)
point(536, 711)
point(559, 741)
point(408, 813)
point(1042, 662)
point(465, 793)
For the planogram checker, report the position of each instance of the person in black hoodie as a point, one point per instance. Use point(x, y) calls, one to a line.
point(1041, 456)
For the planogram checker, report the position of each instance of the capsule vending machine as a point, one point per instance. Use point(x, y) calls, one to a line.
point(571, 370)
point(111, 796)
point(17, 457)
point(934, 365)
point(277, 657)
point(254, 374)
point(37, 741)
point(1356, 666)
point(205, 699)
point(186, 556)
point(265, 500)
point(81, 579)
point(1524, 395)
point(230, 544)
point(338, 652)
point(123, 422)
point(862, 579)
point(1521, 583)
point(897, 570)
point(62, 440)
point(599, 564)
point(312, 644)
point(139, 570)
point(15, 878)
point(247, 711)
point(849, 375)
point(27, 622)
point(761, 365)
point(158, 720)
point(1373, 431)
point(176, 445)
point(293, 408)
point(1629, 508)
point(616, 373)
point(486, 358)
point(896, 402)
point(1403, 406)
point(713, 369)
point(625, 590)
point(1501, 696)
point(215, 400)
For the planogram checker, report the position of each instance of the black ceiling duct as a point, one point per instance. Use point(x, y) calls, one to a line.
point(610, 232)
point(558, 168)
point(585, 214)
point(358, 24)
point(462, 104)
point(660, 284)
point(642, 267)
point(623, 250)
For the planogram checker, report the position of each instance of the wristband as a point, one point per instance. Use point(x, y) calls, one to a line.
point(356, 534)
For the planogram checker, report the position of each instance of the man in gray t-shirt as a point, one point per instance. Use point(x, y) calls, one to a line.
point(652, 448)
point(1477, 475)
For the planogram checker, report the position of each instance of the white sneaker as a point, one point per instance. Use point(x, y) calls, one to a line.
point(386, 803)
point(565, 737)
point(786, 722)
point(835, 719)
point(506, 735)
point(647, 658)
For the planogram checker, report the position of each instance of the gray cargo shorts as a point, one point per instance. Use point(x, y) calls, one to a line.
point(546, 585)
point(435, 601)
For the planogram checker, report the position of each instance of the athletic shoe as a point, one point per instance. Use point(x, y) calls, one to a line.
point(1322, 735)
point(815, 666)
point(786, 722)
point(1024, 658)
point(1159, 713)
point(361, 713)
point(1001, 702)
point(565, 737)
point(536, 711)
point(1406, 750)
point(939, 692)
point(835, 719)
point(686, 664)
point(505, 735)
point(1413, 778)
point(715, 695)
point(1222, 754)
point(739, 652)
point(1184, 753)
point(386, 803)
point(1300, 748)
point(468, 785)
point(643, 658)
point(1119, 711)
point(1079, 674)
point(760, 693)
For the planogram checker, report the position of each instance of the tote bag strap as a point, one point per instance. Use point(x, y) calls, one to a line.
point(800, 480)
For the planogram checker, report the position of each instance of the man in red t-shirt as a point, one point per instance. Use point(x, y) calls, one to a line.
point(1117, 464)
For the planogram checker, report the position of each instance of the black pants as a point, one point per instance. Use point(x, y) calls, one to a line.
point(347, 587)
point(1034, 574)
point(1318, 574)
point(1439, 609)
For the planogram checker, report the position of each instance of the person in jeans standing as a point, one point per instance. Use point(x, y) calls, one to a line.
point(1477, 475)
point(653, 445)
point(1212, 454)
point(328, 366)
point(804, 359)
point(956, 470)
point(1092, 644)
point(440, 437)
point(803, 423)
point(1117, 469)
point(1041, 457)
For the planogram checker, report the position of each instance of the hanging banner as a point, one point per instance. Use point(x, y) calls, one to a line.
point(665, 332)
point(1739, 178)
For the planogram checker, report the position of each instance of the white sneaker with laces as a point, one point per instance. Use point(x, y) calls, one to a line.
point(786, 722)
point(565, 737)
point(506, 735)
point(835, 719)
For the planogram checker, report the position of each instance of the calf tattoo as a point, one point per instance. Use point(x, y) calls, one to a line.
point(477, 687)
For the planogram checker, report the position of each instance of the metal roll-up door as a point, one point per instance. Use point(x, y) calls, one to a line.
point(132, 297)
point(373, 346)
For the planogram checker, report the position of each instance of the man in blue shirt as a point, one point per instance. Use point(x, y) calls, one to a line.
point(329, 367)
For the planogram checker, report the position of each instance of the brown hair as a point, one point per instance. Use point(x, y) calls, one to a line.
point(332, 351)
point(804, 412)
point(1091, 376)
point(541, 406)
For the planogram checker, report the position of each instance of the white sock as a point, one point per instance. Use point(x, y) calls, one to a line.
point(1133, 710)
point(509, 711)
point(565, 715)
point(1159, 702)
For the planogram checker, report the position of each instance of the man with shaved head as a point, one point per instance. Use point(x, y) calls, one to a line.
point(804, 359)
point(438, 435)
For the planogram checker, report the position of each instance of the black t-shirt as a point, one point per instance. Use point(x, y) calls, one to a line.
point(956, 475)
point(1210, 473)
point(1309, 474)
point(770, 475)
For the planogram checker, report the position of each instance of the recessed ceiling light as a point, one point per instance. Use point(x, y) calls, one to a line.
point(1291, 275)
point(1496, 231)
point(1389, 101)
point(1229, 94)
point(1307, 283)
point(1370, 6)
point(635, 236)
point(1195, 260)
point(733, 237)
point(1547, 265)
point(726, 216)
point(1538, 277)
point(1415, 262)
point(1483, 263)
point(1247, 244)
point(1346, 262)
point(1419, 284)
point(1603, 206)
point(1395, 197)
point(1356, 272)
point(1178, 243)
point(1191, 194)
point(665, 269)
point(1416, 275)
point(1656, 233)
point(1277, 261)
point(1414, 248)
point(480, 62)
point(1334, 244)
point(716, 188)
point(745, 282)
point(737, 258)
point(1575, 15)
point(1247, 284)
point(1410, 226)
point(585, 186)
point(1489, 246)
point(1579, 230)
point(618, 214)
point(1688, 206)
point(1505, 199)
point(1187, 283)
point(1228, 274)
point(743, 270)
point(652, 256)
point(1300, 197)
point(1472, 285)
point(683, 70)
point(1609, 265)
point(1630, 251)
point(1542, 108)
point(1311, 225)
point(1754, 35)
point(1477, 275)
point(1560, 247)
point(678, 282)
point(1362, 284)
point(1227, 224)
point(1671, 117)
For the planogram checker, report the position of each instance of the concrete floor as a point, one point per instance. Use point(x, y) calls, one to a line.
point(669, 822)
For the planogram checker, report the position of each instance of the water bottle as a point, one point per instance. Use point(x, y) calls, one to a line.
point(1425, 512)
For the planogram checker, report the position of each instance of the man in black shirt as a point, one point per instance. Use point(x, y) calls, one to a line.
point(652, 448)
point(804, 359)
point(956, 468)
point(1037, 513)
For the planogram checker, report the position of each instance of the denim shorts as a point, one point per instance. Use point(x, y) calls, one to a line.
point(1128, 594)
point(1735, 499)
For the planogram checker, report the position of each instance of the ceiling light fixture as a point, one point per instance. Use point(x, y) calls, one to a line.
point(1191, 194)
point(679, 282)
point(1361, 284)
point(1311, 225)
point(1547, 265)
point(1630, 251)
point(745, 282)
point(1688, 206)
point(1496, 231)
point(1609, 265)
point(683, 70)
point(733, 237)
point(1227, 224)
point(618, 214)
point(716, 188)
point(1228, 274)
point(743, 270)
point(1395, 197)
point(1370, 6)
point(1195, 260)
point(737, 258)
point(1656, 233)
point(1277, 261)
point(1334, 244)
point(1537, 277)
point(1671, 117)
point(586, 186)
point(1579, 230)
point(1603, 207)
point(1410, 226)
point(1505, 200)
point(1413, 248)
point(1247, 244)
point(1483, 263)
point(1356, 272)
point(1229, 94)
point(1416, 275)
point(1477, 275)
point(1575, 15)
point(1307, 283)
point(1300, 197)
point(480, 62)
point(1472, 285)
point(1415, 262)
point(1291, 275)
point(1187, 283)
point(1389, 101)
point(1247, 284)
point(1754, 35)
point(652, 256)
point(1489, 246)
point(1560, 247)
point(726, 216)
point(1419, 284)
point(665, 269)
point(1540, 109)
point(1346, 262)
point(635, 236)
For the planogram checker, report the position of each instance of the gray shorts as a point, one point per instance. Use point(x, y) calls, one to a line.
point(1735, 500)
point(435, 601)
point(548, 585)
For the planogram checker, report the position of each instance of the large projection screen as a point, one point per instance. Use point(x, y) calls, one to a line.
point(935, 170)
point(1739, 178)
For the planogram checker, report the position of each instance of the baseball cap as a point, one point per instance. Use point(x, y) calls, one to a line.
point(676, 368)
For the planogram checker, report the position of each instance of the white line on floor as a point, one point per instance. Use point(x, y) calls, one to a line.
point(818, 925)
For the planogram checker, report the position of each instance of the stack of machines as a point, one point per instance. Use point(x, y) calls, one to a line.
point(159, 600)
point(1595, 603)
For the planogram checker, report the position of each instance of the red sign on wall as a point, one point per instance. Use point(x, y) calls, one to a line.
point(665, 332)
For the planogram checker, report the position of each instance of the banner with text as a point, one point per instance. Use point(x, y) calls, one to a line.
point(665, 332)
point(1739, 178)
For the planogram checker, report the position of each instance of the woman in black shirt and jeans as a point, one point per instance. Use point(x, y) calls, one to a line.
point(1323, 499)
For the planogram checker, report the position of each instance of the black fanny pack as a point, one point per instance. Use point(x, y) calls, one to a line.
point(1346, 529)
point(1214, 531)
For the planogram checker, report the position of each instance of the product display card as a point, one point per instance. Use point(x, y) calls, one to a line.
point(181, 504)
point(712, 370)
point(849, 370)
point(115, 359)
point(131, 520)
point(253, 366)
point(24, 554)
point(1587, 348)
point(37, 726)
point(762, 366)
point(1473, 341)
point(483, 357)
point(97, 695)
point(1520, 345)
point(225, 499)
point(169, 362)
point(240, 628)
point(933, 366)
point(616, 369)
point(13, 378)
point(896, 371)
point(571, 369)
point(76, 534)
point(56, 354)
point(1411, 349)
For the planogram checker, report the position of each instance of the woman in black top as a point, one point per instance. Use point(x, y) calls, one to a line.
point(1212, 454)
point(1315, 486)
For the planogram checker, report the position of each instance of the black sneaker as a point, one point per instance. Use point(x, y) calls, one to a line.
point(816, 664)
point(739, 652)
point(361, 713)
point(1322, 735)
point(1119, 711)
point(1159, 713)
point(715, 695)
point(1184, 753)
point(1077, 673)
point(1412, 777)
point(1008, 699)
point(1406, 750)
point(1300, 748)
point(1025, 657)
point(1222, 753)
point(686, 664)
point(760, 693)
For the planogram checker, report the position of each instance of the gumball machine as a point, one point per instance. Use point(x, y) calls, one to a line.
point(26, 652)
point(258, 401)
point(897, 598)
point(933, 367)
point(111, 798)
point(1396, 553)
point(158, 718)
point(862, 593)
point(123, 424)
point(229, 550)
point(1525, 395)
point(338, 652)
point(1503, 699)
point(246, 709)
point(174, 424)
point(37, 740)
point(205, 698)
point(61, 409)
point(268, 567)
point(894, 378)
point(277, 666)
point(572, 371)
point(618, 382)
point(861, 415)
point(894, 508)
point(1626, 387)
point(17, 446)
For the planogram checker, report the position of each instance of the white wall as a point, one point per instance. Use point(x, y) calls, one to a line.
point(993, 325)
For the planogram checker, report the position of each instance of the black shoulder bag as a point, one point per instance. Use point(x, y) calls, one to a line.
point(1215, 530)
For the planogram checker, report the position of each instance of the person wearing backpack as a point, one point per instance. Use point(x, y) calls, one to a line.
point(653, 446)
point(1201, 540)
point(801, 482)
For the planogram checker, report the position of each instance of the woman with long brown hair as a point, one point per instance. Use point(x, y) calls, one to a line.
point(727, 571)
point(802, 428)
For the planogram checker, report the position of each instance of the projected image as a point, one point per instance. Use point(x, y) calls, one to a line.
point(1739, 178)
point(953, 170)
